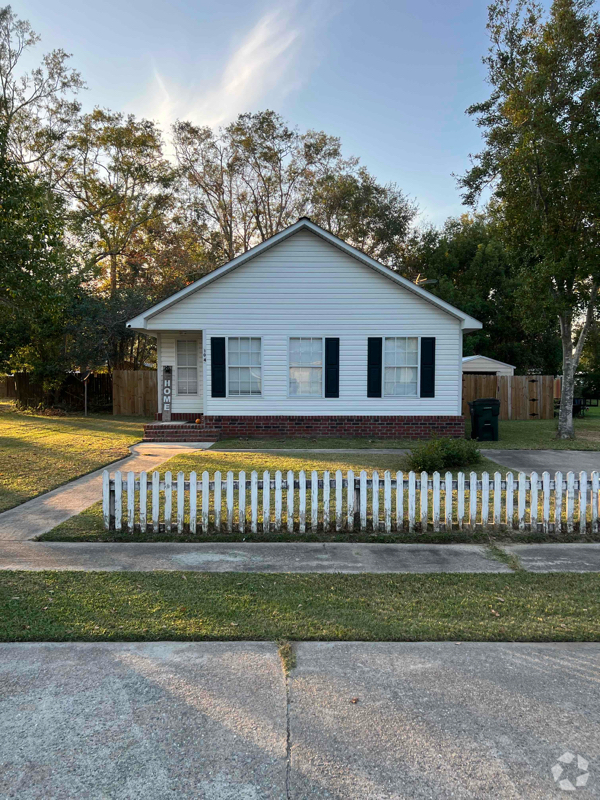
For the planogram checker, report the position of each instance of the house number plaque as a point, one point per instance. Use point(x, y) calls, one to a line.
point(167, 393)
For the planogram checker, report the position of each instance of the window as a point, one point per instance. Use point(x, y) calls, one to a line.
point(187, 367)
point(244, 366)
point(306, 367)
point(401, 366)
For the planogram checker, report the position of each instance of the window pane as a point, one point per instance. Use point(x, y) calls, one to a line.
point(401, 359)
point(243, 352)
point(186, 353)
point(306, 381)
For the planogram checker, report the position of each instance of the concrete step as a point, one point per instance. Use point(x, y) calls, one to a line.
point(195, 436)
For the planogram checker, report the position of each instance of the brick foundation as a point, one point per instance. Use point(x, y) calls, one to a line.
point(371, 426)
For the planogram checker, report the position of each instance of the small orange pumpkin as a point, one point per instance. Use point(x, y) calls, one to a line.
point(198, 421)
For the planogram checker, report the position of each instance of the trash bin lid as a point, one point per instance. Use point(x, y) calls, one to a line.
point(486, 401)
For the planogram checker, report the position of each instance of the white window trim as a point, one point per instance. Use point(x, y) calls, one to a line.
point(241, 396)
point(176, 381)
point(308, 397)
point(385, 396)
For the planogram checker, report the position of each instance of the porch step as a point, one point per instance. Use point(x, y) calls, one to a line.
point(178, 432)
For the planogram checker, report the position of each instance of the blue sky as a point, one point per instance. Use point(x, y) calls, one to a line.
point(392, 78)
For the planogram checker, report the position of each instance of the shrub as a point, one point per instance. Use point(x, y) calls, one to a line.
point(440, 455)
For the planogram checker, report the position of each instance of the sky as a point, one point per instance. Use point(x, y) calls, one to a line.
point(391, 78)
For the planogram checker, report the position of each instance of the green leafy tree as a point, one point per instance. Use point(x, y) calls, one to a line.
point(541, 161)
point(37, 107)
point(250, 180)
point(467, 264)
point(113, 172)
point(38, 277)
point(373, 217)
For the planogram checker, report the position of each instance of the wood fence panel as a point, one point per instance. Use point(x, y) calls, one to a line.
point(521, 396)
point(135, 392)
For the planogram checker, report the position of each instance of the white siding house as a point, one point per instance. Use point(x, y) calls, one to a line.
point(486, 366)
point(267, 318)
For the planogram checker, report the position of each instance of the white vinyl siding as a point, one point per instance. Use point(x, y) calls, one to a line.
point(244, 368)
point(306, 287)
point(401, 366)
point(306, 366)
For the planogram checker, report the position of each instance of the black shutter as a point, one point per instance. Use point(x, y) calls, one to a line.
point(217, 366)
point(374, 365)
point(428, 366)
point(332, 367)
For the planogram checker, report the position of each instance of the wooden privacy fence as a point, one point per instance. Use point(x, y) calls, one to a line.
point(8, 389)
point(325, 503)
point(135, 392)
point(521, 396)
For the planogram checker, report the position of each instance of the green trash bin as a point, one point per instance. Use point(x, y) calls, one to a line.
point(484, 419)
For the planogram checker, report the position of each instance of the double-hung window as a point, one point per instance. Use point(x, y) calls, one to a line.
point(244, 366)
point(187, 367)
point(306, 367)
point(401, 366)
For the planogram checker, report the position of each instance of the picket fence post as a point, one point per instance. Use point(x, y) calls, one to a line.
point(358, 503)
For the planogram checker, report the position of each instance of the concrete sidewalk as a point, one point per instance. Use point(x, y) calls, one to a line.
point(303, 557)
point(353, 721)
point(300, 557)
point(45, 512)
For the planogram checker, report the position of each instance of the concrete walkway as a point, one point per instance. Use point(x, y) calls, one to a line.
point(332, 557)
point(353, 721)
point(45, 512)
point(545, 460)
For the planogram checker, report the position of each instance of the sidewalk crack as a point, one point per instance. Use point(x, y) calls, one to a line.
point(288, 662)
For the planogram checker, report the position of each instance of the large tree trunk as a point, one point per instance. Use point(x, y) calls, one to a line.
point(571, 358)
point(113, 274)
point(565, 415)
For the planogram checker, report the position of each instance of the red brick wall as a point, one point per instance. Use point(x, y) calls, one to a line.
point(375, 426)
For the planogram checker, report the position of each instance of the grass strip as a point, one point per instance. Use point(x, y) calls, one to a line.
point(129, 606)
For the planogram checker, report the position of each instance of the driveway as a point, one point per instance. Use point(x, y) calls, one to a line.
point(45, 512)
point(541, 460)
point(353, 721)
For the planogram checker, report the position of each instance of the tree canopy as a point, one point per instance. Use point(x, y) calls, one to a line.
point(541, 161)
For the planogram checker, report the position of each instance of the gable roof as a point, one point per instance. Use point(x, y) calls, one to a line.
point(487, 358)
point(468, 323)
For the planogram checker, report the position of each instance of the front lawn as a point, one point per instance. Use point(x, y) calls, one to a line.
point(38, 453)
point(245, 443)
point(134, 606)
point(514, 435)
point(540, 434)
point(88, 525)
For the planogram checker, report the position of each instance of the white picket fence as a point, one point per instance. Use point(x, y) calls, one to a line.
point(330, 502)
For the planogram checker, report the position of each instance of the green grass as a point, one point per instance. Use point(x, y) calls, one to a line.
point(312, 443)
point(540, 434)
point(88, 525)
point(39, 453)
point(514, 435)
point(94, 606)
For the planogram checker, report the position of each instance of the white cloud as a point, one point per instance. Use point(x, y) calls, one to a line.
point(272, 60)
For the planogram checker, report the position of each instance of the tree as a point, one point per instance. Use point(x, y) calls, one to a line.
point(373, 217)
point(467, 264)
point(37, 108)
point(258, 175)
point(113, 171)
point(541, 160)
point(38, 276)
